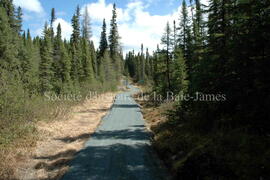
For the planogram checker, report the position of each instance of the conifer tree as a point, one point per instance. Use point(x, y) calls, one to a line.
point(167, 41)
point(76, 69)
point(103, 45)
point(142, 63)
point(87, 63)
point(53, 18)
point(108, 68)
point(8, 46)
point(114, 44)
point(75, 37)
point(45, 67)
point(26, 59)
point(147, 64)
point(10, 12)
point(179, 79)
point(184, 29)
point(18, 20)
point(114, 37)
point(94, 59)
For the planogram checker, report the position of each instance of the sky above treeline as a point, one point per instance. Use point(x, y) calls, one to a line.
point(139, 21)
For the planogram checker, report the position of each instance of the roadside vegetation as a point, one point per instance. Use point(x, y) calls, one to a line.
point(223, 134)
point(32, 69)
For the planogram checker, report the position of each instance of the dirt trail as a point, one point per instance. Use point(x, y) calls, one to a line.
point(60, 140)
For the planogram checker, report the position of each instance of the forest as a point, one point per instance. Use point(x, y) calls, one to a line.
point(227, 54)
point(218, 50)
point(33, 66)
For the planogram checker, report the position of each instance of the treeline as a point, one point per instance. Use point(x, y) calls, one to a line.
point(33, 66)
point(220, 49)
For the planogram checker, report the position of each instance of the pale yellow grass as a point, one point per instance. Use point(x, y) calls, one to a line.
point(60, 140)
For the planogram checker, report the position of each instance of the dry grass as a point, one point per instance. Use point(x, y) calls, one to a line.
point(154, 115)
point(48, 152)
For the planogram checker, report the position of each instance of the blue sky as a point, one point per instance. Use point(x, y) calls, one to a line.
point(140, 21)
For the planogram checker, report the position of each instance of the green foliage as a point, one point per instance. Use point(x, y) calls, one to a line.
point(228, 54)
point(179, 75)
point(103, 45)
point(29, 68)
point(87, 63)
point(45, 67)
point(114, 36)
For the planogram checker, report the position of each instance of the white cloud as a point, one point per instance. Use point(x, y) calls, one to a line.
point(100, 10)
point(136, 25)
point(65, 26)
point(30, 5)
point(145, 28)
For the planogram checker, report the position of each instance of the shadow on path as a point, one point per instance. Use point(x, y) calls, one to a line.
point(98, 163)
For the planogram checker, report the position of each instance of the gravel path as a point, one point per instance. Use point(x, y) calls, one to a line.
point(119, 149)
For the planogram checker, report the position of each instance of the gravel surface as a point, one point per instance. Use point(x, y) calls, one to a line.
point(119, 149)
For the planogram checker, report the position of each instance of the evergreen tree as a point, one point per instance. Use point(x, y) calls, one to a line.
point(103, 45)
point(114, 37)
point(75, 37)
point(61, 64)
point(179, 76)
point(18, 20)
point(107, 66)
point(94, 59)
point(87, 61)
point(167, 41)
point(114, 44)
point(147, 64)
point(45, 67)
point(10, 12)
point(8, 48)
point(184, 36)
point(142, 63)
point(53, 18)
point(76, 68)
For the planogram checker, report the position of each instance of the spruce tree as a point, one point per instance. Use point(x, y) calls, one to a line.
point(87, 63)
point(114, 44)
point(10, 12)
point(167, 41)
point(75, 37)
point(103, 45)
point(8, 48)
point(142, 63)
point(94, 59)
point(53, 18)
point(114, 36)
point(147, 64)
point(179, 76)
point(18, 20)
point(76, 69)
point(45, 67)
point(184, 29)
